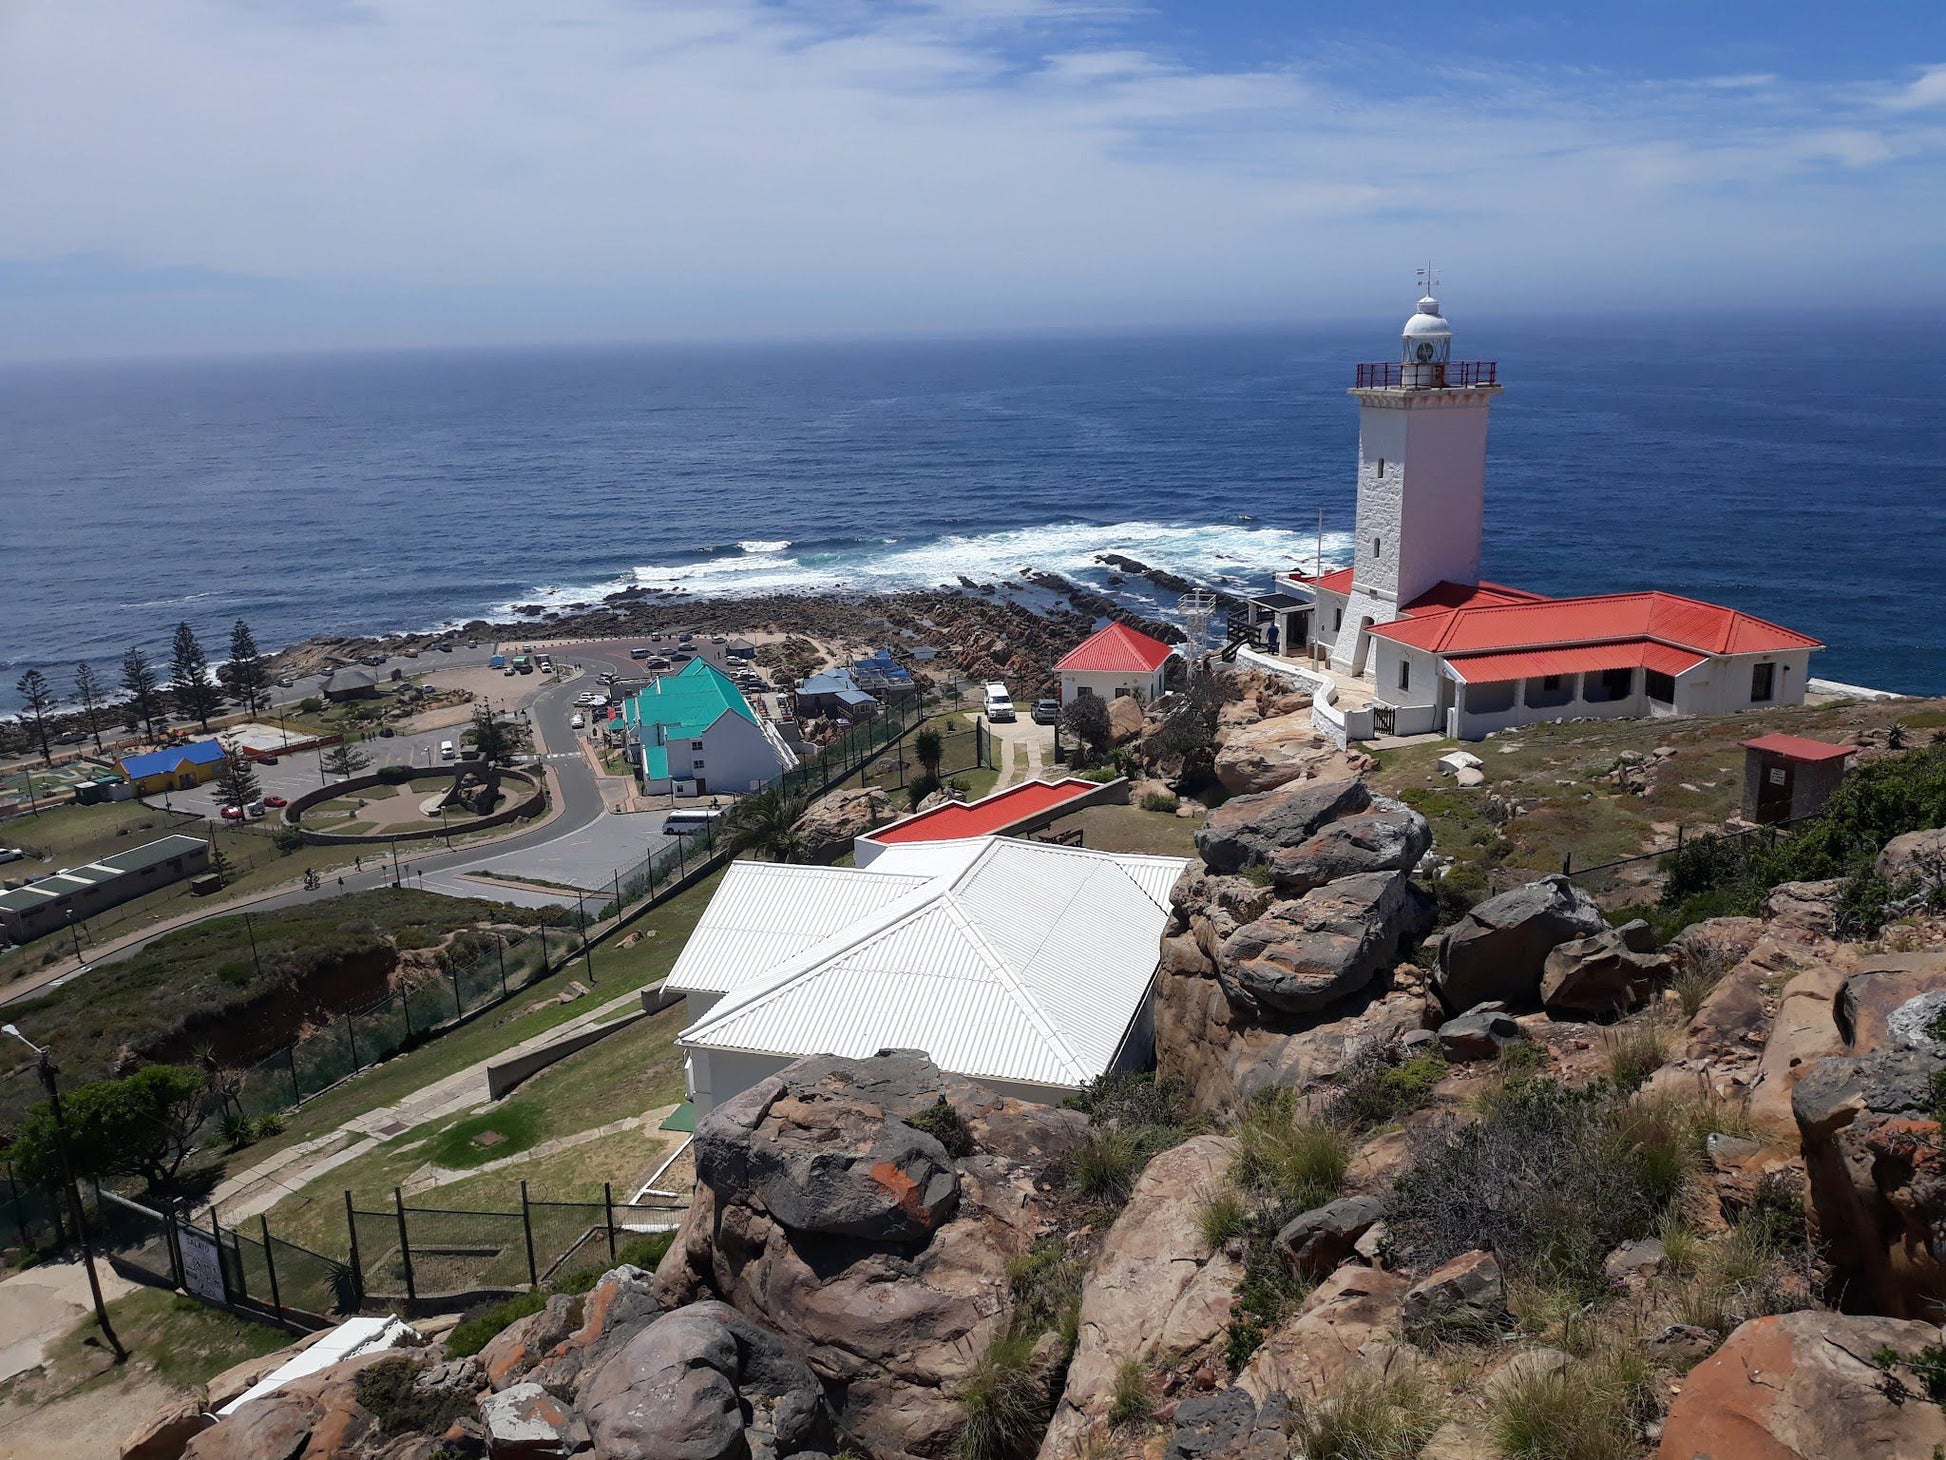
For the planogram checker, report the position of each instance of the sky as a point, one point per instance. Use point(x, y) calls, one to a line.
point(248, 175)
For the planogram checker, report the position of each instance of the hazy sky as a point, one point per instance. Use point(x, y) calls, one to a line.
point(251, 174)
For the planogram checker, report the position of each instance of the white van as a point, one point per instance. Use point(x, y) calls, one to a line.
point(1000, 707)
point(691, 820)
point(446, 750)
point(578, 721)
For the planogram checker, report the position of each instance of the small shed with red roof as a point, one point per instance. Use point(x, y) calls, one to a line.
point(1788, 776)
point(1116, 661)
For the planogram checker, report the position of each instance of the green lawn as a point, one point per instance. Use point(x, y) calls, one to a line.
point(1131, 829)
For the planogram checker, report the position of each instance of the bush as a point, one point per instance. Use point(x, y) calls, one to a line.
point(1376, 1088)
point(1370, 1417)
point(477, 1328)
point(1549, 1179)
point(1000, 1407)
point(1045, 1283)
point(940, 1121)
point(386, 1389)
point(1164, 801)
point(394, 775)
point(310, 705)
point(1130, 1402)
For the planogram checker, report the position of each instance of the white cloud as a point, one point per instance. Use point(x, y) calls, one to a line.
point(1928, 90)
point(730, 166)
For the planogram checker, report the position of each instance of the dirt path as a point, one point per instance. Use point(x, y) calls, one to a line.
point(90, 1425)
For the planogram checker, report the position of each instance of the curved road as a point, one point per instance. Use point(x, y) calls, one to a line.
point(578, 797)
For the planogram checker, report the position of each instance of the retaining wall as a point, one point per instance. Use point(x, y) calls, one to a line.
point(524, 810)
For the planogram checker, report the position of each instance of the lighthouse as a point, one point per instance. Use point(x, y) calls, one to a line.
point(1422, 462)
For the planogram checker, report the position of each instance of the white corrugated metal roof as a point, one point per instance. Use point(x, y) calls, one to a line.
point(765, 913)
point(1021, 961)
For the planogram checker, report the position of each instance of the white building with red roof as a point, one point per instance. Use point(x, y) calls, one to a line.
point(1419, 643)
point(1116, 661)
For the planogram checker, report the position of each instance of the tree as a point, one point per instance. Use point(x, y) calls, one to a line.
point(498, 741)
point(37, 697)
point(930, 750)
point(766, 823)
point(343, 760)
point(237, 781)
point(219, 864)
point(141, 1125)
point(196, 694)
point(1085, 717)
point(143, 689)
point(90, 692)
point(248, 679)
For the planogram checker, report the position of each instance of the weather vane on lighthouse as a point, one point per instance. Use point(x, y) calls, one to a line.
point(1429, 279)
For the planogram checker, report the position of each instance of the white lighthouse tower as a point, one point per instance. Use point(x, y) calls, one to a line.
point(1422, 461)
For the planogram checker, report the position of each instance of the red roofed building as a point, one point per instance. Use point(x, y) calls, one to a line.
point(1443, 651)
point(1116, 661)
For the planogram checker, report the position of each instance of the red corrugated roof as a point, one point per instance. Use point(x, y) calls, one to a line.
point(1797, 747)
point(1585, 658)
point(1705, 628)
point(1117, 647)
point(1335, 582)
point(988, 816)
point(1445, 596)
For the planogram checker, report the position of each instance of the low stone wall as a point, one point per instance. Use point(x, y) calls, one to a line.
point(525, 809)
point(508, 1073)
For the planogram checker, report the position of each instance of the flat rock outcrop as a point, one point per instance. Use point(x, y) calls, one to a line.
point(820, 1215)
point(829, 825)
point(1498, 951)
point(1245, 830)
point(1273, 752)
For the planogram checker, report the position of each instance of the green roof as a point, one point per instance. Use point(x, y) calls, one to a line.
point(686, 703)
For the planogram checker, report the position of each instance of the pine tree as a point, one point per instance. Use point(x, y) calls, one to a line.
point(196, 694)
point(219, 864)
point(344, 759)
point(238, 779)
point(37, 697)
point(89, 691)
point(497, 741)
point(248, 679)
point(143, 689)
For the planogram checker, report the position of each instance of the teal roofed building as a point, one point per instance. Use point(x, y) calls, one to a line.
point(692, 733)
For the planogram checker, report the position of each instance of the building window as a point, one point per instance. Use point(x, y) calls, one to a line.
point(1762, 682)
point(1405, 674)
point(1381, 466)
point(1548, 691)
point(1081, 690)
point(1377, 546)
point(1492, 698)
point(1337, 619)
point(1608, 686)
point(1661, 687)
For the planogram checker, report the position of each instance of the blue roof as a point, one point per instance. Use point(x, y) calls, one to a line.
point(161, 762)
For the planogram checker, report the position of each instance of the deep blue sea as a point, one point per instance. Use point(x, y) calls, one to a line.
point(1794, 471)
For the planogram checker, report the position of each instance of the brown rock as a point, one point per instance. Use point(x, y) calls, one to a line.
point(1804, 1032)
point(1801, 1386)
point(1806, 908)
point(1309, 954)
point(1600, 974)
point(830, 824)
point(1275, 752)
point(1870, 999)
point(515, 1349)
point(1125, 718)
point(1917, 857)
point(165, 1434)
point(1466, 1292)
point(1346, 1324)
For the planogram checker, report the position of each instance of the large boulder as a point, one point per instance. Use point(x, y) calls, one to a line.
point(1308, 954)
point(1610, 972)
point(1498, 951)
point(1918, 857)
point(318, 1414)
point(1317, 1242)
point(1892, 1000)
point(893, 1322)
point(1274, 752)
point(1803, 1386)
point(829, 825)
point(703, 1383)
point(166, 1433)
point(1154, 1292)
point(1347, 1325)
point(1245, 830)
point(1877, 1166)
point(1126, 719)
point(1388, 838)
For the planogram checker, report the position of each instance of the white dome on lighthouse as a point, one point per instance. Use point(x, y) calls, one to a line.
point(1428, 323)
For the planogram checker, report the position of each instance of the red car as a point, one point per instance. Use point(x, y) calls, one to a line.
point(275, 801)
point(233, 813)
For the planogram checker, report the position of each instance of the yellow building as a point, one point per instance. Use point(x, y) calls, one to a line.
point(175, 769)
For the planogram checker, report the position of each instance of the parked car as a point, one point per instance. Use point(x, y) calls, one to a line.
point(999, 708)
point(276, 801)
point(11, 854)
point(286, 682)
point(385, 732)
point(443, 647)
point(233, 813)
point(73, 737)
point(266, 760)
point(579, 721)
point(1046, 712)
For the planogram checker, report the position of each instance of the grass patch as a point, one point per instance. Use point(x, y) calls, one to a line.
point(1223, 1217)
point(1002, 1403)
point(1133, 1118)
point(1370, 1417)
point(1636, 1050)
point(517, 1124)
point(482, 1325)
point(1288, 1157)
point(1592, 1410)
point(1130, 1402)
point(1377, 1087)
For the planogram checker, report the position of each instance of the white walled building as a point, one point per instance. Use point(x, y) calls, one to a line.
point(1023, 965)
point(1444, 651)
point(1115, 661)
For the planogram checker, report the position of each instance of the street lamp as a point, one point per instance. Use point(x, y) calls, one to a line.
point(44, 1065)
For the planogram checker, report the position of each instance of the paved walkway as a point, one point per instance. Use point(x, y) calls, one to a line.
point(1039, 741)
point(260, 1187)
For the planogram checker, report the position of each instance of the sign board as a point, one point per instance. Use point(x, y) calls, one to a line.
point(202, 1266)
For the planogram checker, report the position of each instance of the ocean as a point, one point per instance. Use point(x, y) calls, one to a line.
point(1793, 470)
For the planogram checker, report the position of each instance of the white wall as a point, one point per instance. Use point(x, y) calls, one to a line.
point(734, 753)
point(1717, 686)
point(1445, 489)
point(1109, 683)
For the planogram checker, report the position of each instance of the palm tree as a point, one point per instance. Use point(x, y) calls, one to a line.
point(766, 823)
point(930, 750)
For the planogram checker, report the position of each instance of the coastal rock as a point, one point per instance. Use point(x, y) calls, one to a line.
point(1274, 752)
point(893, 1323)
point(1154, 1293)
point(1466, 1294)
point(1347, 1325)
point(1609, 972)
point(1125, 719)
point(832, 822)
point(1803, 1032)
point(166, 1433)
point(1318, 1241)
point(1917, 859)
point(1893, 1000)
point(1802, 1386)
point(525, 1422)
point(1498, 951)
point(515, 1349)
point(1808, 908)
point(1245, 830)
point(1479, 1034)
point(1388, 838)
point(1306, 955)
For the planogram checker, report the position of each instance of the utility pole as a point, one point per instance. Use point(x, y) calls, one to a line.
point(45, 1067)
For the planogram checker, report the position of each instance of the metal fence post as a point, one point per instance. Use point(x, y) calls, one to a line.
point(351, 1037)
point(405, 1245)
point(222, 1267)
point(270, 1266)
point(527, 1228)
point(452, 977)
point(297, 1092)
point(357, 1266)
point(608, 1214)
point(173, 1241)
point(500, 950)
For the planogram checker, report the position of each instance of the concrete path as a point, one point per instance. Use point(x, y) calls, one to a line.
point(1039, 742)
point(40, 1306)
point(260, 1187)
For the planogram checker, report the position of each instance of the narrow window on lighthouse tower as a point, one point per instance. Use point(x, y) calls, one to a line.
point(1376, 543)
point(1381, 466)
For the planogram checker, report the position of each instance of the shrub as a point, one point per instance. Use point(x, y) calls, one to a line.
point(395, 775)
point(920, 787)
point(1166, 802)
point(1000, 1407)
point(1928, 1366)
point(1140, 1098)
point(1588, 1411)
point(1376, 1088)
point(1370, 1417)
point(1775, 1215)
point(1223, 1217)
point(940, 1121)
point(1045, 1283)
point(387, 1391)
point(1105, 1165)
point(1693, 983)
point(1636, 1050)
point(1130, 1402)
point(477, 1328)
